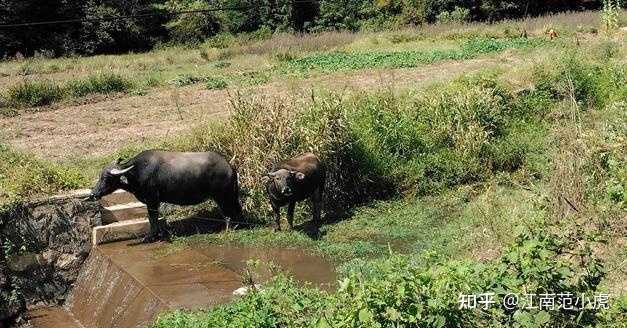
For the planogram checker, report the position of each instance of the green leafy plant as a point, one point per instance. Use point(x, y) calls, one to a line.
point(409, 291)
point(186, 79)
point(610, 14)
point(457, 15)
point(212, 83)
point(337, 61)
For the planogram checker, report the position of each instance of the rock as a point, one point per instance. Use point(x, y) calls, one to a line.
point(245, 290)
point(68, 261)
point(49, 257)
point(56, 232)
point(20, 263)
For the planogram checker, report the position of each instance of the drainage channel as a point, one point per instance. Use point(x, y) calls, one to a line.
point(125, 286)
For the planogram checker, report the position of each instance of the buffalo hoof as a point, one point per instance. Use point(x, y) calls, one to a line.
point(150, 238)
point(165, 235)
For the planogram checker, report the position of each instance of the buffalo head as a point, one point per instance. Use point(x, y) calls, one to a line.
point(110, 181)
point(284, 180)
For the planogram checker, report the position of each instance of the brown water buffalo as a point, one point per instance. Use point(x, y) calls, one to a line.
point(295, 180)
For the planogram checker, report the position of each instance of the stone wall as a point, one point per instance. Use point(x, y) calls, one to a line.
point(45, 242)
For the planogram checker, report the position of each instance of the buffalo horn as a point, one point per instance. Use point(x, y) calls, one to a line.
point(120, 172)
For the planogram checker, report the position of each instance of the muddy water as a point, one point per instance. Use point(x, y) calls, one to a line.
point(299, 264)
point(53, 317)
point(124, 286)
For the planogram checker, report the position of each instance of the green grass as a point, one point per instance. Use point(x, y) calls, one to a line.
point(425, 225)
point(213, 83)
point(33, 93)
point(337, 61)
point(22, 176)
point(43, 93)
point(102, 83)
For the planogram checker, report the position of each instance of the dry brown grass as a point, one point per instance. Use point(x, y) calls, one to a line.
point(299, 43)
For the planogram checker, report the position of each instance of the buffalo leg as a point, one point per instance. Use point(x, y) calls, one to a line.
point(226, 213)
point(153, 218)
point(290, 214)
point(277, 217)
point(316, 201)
point(164, 234)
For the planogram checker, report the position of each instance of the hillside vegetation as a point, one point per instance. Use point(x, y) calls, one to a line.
point(148, 23)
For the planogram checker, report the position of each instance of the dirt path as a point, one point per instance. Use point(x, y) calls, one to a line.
point(101, 127)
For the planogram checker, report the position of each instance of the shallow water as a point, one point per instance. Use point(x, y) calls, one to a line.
point(125, 286)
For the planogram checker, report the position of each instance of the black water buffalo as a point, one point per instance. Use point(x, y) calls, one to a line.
point(156, 177)
point(295, 180)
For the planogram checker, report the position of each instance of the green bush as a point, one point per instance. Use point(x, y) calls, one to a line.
point(458, 15)
point(185, 79)
point(212, 83)
point(589, 84)
point(33, 93)
point(101, 83)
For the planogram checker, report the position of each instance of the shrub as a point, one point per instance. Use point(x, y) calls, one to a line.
point(101, 83)
point(212, 83)
point(458, 15)
point(588, 83)
point(33, 93)
point(194, 27)
point(185, 79)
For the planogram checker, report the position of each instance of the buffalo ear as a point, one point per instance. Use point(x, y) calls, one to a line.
point(300, 175)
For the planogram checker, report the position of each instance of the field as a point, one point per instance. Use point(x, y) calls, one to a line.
point(462, 158)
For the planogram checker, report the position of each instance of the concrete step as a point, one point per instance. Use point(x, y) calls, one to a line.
point(118, 197)
point(124, 212)
point(124, 230)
